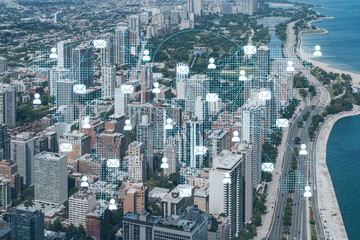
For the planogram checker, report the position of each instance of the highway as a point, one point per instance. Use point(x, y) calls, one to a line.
point(300, 218)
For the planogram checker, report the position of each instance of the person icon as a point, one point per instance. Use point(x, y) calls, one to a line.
point(156, 88)
point(86, 122)
point(303, 150)
point(128, 126)
point(84, 182)
point(164, 163)
point(37, 100)
point(112, 205)
point(227, 178)
point(169, 125)
point(146, 56)
point(53, 53)
point(211, 63)
point(242, 76)
point(236, 137)
point(307, 191)
point(317, 52)
point(290, 67)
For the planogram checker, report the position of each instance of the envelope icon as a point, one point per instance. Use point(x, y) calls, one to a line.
point(185, 192)
point(127, 89)
point(66, 147)
point(183, 69)
point(99, 43)
point(79, 88)
point(282, 122)
point(200, 150)
point(212, 97)
point(265, 95)
point(267, 167)
point(113, 163)
point(250, 50)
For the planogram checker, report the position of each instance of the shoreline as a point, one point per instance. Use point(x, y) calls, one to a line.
point(327, 200)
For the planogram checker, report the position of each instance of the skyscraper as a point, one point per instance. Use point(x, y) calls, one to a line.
point(22, 153)
point(263, 61)
point(79, 205)
point(8, 104)
point(136, 161)
point(50, 178)
point(121, 102)
point(3, 64)
point(27, 224)
point(145, 135)
point(83, 65)
point(64, 49)
point(108, 79)
point(108, 53)
point(196, 86)
point(181, 75)
point(5, 193)
point(57, 74)
point(122, 44)
point(195, 6)
point(9, 170)
point(135, 26)
point(227, 197)
point(194, 137)
point(246, 6)
point(4, 142)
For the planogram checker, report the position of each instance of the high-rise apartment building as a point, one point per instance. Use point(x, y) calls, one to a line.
point(182, 73)
point(217, 142)
point(83, 65)
point(22, 153)
point(122, 44)
point(9, 170)
point(136, 162)
point(4, 142)
point(136, 198)
point(246, 6)
point(5, 193)
point(50, 178)
point(27, 224)
point(74, 145)
point(64, 49)
point(108, 53)
point(108, 82)
point(145, 134)
point(79, 205)
point(226, 197)
point(3, 64)
point(196, 86)
point(8, 104)
point(174, 203)
point(121, 102)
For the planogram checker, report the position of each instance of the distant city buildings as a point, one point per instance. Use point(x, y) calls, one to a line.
point(3, 64)
point(8, 106)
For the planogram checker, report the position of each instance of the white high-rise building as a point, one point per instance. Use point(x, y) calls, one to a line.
point(108, 53)
point(135, 25)
point(57, 74)
point(8, 104)
point(246, 6)
point(108, 80)
point(181, 75)
point(79, 205)
point(121, 102)
point(226, 197)
point(64, 49)
point(50, 178)
point(122, 44)
point(136, 161)
point(195, 6)
point(22, 153)
point(196, 86)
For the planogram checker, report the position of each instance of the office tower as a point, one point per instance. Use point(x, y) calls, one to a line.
point(146, 77)
point(246, 150)
point(40, 143)
point(9, 170)
point(108, 53)
point(8, 104)
point(251, 133)
point(22, 153)
point(122, 44)
point(64, 95)
point(50, 178)
point(227, 197)
point(74, 145)
point(195, 6)
point(201, 109)
point(144, 133)
point(64, 49)
point(246, 6)
point(263, 62)
point(217, 142)
point(57, 74)
point(83, 65)
point(108, 79)
point(194, 137)
point(191, 224)
point(58, 16)
point(181, 75)
point(4, 142)
point(173, 151)
point(121, 102)
point(3, 64)
point(136, 161)
point(53, 145)
point(196, 86)
point(136, 198)
point(135, 26)
point(5, 193)
point(174, 203)
point(79, 205)
point(138, 226)
point(27, 224)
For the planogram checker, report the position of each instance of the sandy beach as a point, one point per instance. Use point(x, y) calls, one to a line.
point(328, 205)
